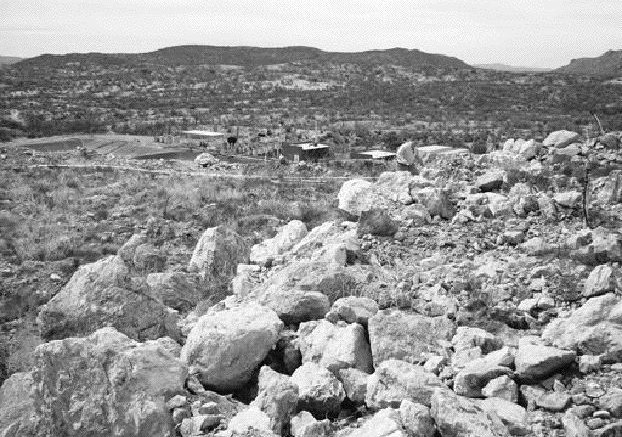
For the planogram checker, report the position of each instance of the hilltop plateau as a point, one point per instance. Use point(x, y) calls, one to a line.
point(250, 56)
point(608, 64)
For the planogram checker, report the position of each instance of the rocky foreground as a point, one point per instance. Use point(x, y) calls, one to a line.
point(463, 301)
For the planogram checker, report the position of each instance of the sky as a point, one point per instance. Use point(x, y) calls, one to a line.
point(533, 33)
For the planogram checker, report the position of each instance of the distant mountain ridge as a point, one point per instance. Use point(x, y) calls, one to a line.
point(512, 68)
point(608, 64)
point(252, 56)
point(8, 60)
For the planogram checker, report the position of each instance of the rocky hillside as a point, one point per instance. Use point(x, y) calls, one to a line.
point(468, 300)
point(608, 64)
point(251, 56)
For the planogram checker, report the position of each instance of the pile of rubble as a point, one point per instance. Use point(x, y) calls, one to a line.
point(457, 302)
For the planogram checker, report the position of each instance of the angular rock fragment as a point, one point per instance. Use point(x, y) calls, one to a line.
point(409, 337)
point(277, 397)
point(217, 253)
point(536, 361)
point(394, 380)
point(335, 347)
point(118, 387)
point(457, 416)
point(224, 348)
point(102, 294)
point(320, 392)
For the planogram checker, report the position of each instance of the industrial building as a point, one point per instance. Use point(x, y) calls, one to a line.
point(203, 138)
point(305, 151)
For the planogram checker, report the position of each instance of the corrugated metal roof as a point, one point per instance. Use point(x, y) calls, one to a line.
point(310, 146)
point(203, 133)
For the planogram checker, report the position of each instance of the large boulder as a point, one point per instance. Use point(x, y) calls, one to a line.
point(416, 419)
point(478, 373)
point(513, 416)
point(335, 346)
point(456, 416)
point(17, 406)
point(329, 276)
point(224, 348)
point(602, 279)
point(354, 383)
point(295, 306)
point(277, 397)
point(217, 253)
point(103, 294)
point(178, 290)
point(467, 337)
point(107, 385)
point(356, 196)
point(394, 380)
point(320, 392)
point(353, 309)
point(561, 138)
point(267, 251)
point(593, 329)
point(534, 361)
point(490, 181)
point(408, 337)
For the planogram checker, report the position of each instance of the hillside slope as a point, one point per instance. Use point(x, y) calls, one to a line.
point(609, 64)
point(250, 56)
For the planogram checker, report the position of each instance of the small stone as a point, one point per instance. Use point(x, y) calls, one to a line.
point(179, 414)
point(434, 364)
point(582, 411)
point(503, 387)
point(595, 423)
point(177, 401)
point(197, 425)
point(305, 425)
point(612, 402)
point(416, 419)
point(594, 390)
point(589, 363)
point(55, 277)
point(602, 414)
point(553, 401)
point(209, 408)
point(574, 426)
point(581, 399)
